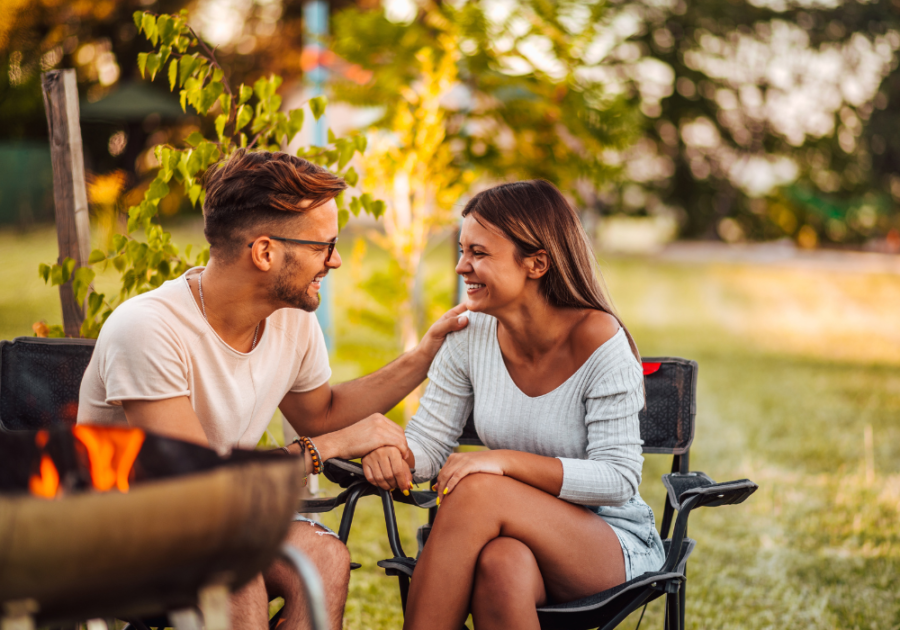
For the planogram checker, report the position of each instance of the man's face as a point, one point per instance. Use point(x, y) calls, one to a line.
point(298, 282)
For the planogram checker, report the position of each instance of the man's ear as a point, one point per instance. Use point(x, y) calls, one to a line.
point(262, 253)
point(537, 265)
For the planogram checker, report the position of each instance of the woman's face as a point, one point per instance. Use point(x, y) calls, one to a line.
point(493, 277)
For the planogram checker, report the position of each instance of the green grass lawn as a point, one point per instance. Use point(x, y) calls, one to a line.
point(795, 367)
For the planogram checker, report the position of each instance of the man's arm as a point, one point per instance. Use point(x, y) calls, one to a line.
point(172, 417)
point(327, 409)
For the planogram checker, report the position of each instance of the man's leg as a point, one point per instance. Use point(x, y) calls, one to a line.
point(250, 606)
point(330, 557)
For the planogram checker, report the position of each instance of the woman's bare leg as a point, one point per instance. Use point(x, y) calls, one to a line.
point(577, 553)
point(508, 587)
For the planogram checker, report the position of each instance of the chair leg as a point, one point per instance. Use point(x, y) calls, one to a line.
point(681, 604)
point(404, 591)
point(673, 611)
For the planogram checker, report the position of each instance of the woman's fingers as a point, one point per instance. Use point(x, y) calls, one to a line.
point(386, 469)
point(400, 472)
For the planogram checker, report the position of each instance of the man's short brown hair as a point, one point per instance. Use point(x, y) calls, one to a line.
point(259, 189)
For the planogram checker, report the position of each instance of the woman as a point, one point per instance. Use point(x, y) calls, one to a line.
point(551, 512)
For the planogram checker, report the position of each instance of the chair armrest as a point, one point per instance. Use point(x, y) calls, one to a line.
point(678, 483)
point(343, 472)
point(726, 493)
point(708, 495)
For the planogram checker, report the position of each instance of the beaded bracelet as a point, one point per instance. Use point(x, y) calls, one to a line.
point(313, 453)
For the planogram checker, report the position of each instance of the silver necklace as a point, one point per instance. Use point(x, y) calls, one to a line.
point(203, 306)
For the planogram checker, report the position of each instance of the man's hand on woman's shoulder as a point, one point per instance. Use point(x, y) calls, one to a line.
point(449, 322)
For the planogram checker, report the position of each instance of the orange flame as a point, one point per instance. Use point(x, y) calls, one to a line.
point(112, 452)
point(47, 483)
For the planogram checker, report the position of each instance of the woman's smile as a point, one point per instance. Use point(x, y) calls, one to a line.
point(473, 287)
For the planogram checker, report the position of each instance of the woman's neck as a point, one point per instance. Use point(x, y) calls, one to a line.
point(534, 328)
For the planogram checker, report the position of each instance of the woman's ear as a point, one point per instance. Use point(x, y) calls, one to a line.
point(537, 264)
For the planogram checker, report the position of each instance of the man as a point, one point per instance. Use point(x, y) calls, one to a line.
point(208, 357)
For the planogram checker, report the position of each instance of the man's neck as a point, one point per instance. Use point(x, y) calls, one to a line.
point(234, 305)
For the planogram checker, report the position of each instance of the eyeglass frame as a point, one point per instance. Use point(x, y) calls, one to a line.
point(331, 244)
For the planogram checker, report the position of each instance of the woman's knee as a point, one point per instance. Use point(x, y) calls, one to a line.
point(506, 561)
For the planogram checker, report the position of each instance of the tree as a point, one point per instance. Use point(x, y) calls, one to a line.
point(243, 117)
point(768, 119)
point(467, 97)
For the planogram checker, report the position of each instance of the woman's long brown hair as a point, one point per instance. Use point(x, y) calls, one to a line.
point(535, 216)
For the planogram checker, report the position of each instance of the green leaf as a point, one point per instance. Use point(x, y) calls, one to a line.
point(81, 283)
point(195, 138)
point(164, 52)
point(95, 302)
point(361, 143)
point(142, 62)
point(183, 99)
point(68, 267)
point(44, 271)
point(148, 25)
point(377, 208)
point(225, 103)
point(119, 241)
point(347, 151)
point(355, 206)
point(158, 189)
point(317, 106)
point(244, 115)
point(209, 95)
point(153, 64)
point(343, 217)
point(166, 27)
point(351, 177)
point(194, 193)
point(186, 65)
point(244, 94)
point(173, 74)
point(56, 275)
point(96, 256)
point(221, 119)
point(138, 17)
point(295, 121)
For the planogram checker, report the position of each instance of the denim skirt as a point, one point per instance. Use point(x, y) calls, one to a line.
point(635, 527)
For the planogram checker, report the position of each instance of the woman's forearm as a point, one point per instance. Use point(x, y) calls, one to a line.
point(538, 471)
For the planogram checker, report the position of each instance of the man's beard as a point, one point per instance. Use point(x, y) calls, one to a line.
point(285, 291)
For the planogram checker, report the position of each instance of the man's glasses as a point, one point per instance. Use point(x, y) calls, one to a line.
point(331, 244)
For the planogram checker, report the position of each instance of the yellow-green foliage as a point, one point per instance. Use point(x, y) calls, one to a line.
point(250, 117)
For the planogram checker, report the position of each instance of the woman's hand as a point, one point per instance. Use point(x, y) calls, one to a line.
point(461, 464)
point(386, 468)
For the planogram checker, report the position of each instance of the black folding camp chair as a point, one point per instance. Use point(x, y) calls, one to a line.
point(667, 427)
point(40, 380)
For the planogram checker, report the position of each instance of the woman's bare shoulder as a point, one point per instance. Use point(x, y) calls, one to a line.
point(592, 331)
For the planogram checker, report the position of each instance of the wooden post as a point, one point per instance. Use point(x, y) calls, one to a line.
point(69, 191)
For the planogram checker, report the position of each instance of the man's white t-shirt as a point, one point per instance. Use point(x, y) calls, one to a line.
point(158, 345)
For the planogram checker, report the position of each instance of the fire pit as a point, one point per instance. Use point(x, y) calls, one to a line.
point(116, 522)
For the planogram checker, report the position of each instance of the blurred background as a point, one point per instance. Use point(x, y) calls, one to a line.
point(736, 163)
